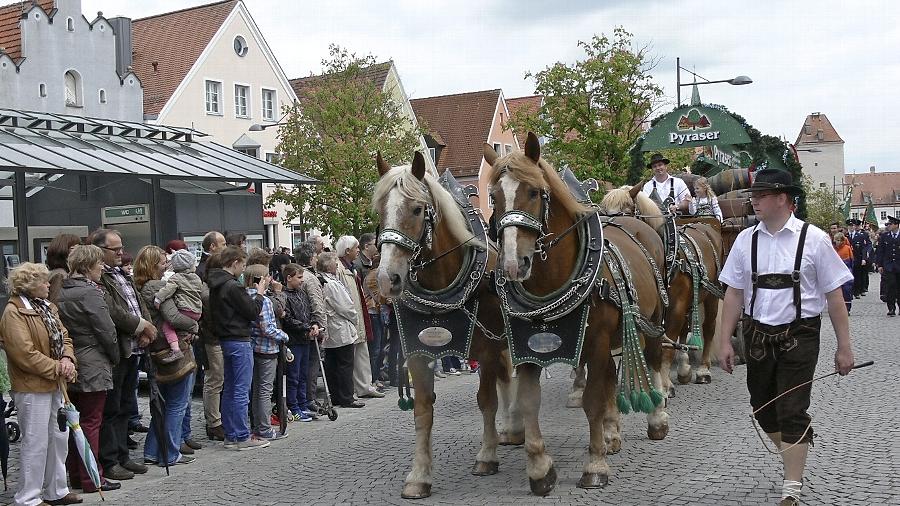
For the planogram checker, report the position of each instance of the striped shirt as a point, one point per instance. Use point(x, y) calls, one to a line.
point(264, 332)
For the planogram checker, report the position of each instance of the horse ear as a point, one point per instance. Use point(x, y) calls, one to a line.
point(418, 165)
point(633, 192)
point(383, 166)
point(490, 155)
point(533, 147)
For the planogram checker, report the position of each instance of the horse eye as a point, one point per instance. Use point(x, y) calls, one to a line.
point(417, 211)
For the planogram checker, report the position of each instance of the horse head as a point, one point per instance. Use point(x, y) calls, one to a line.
point(520, 195)
point(404, 205)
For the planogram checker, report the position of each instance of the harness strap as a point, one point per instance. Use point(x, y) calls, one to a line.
point(796, 274)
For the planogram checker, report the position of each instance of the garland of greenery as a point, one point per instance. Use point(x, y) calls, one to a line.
point(762, 148)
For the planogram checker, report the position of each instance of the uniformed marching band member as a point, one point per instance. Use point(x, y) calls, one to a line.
point(887, 258)
point(783, 272)
point(862, 255)
point(664, 188)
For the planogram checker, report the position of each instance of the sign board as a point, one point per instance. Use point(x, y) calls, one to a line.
point(694, 126)
point(125, 214)
point(725, 157)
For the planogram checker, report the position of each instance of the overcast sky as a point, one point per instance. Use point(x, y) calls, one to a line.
point(841, 58)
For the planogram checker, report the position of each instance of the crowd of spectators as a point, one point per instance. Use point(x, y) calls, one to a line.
point(90, 320)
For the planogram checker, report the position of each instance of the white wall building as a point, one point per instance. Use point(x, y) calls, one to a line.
point(821, 152)
point(220, 78)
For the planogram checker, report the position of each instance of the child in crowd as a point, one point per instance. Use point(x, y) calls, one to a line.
point(297, 322)
point(266, 339)
point(184, 287)
point(706, 202)
point(845, 251)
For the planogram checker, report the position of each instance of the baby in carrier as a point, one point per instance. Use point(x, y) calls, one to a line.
point(184, 288)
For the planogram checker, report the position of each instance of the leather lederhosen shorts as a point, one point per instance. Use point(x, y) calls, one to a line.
point(780, 357)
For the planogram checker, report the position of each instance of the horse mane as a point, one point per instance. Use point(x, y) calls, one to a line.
point(427, 191)
point(540, 175)
point(619, 201)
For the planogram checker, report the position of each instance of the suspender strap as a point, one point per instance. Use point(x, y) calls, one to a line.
point(795, 276)
point(753, 275)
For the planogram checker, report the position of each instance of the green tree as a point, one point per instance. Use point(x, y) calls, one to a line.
point(821, 210)
point(341, 121)
point(593, 109)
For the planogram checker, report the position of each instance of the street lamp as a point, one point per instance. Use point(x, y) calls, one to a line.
point(735, 81)
point(256, 127)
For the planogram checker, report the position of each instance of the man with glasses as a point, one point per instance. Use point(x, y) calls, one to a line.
point(783, 272)
point(134, 331)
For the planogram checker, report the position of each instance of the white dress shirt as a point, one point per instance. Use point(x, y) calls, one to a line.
point(821, 271)
point(664, 188)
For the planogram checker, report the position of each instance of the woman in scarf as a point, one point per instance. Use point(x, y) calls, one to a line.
point(85, 313)
point(40, 358)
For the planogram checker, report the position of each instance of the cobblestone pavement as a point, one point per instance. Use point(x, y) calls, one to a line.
point(711, 456)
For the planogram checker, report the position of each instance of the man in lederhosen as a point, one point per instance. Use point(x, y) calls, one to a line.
point(664, 188)
point(782, 272)
point(887, 258)
point(862, 253)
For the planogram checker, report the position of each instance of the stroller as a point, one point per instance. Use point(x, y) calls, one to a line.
point(326, 408)
point(12, 428)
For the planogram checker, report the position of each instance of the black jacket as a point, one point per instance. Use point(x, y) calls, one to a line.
point(297, 317)
point(231, 308)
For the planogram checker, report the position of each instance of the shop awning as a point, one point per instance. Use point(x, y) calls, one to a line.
point(65, 144)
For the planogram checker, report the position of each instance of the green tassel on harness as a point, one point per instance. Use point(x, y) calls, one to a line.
point(646, 403)
point(696, 339)
point(623, 404)
point(656, 396)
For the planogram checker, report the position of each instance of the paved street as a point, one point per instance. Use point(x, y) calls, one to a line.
point(711, 456)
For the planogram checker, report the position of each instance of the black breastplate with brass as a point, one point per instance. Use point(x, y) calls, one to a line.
point(547, 329)
point(437, 323)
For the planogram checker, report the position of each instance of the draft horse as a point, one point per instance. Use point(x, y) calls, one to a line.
point(413, 204)
point(528, 186)
point(693, 291)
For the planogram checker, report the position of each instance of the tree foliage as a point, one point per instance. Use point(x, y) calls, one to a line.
point(593, 109)
point(341, 121)
point(821, 206)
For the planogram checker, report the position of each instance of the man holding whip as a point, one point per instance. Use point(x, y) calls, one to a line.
point(783, 272)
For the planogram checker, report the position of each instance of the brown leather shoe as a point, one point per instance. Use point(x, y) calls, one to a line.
point(215, 433)
point(789, 501)
point(70, 498)
point(193, 444)
point(185, 449)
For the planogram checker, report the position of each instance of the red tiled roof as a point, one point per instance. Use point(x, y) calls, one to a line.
point(881, 187)
point(174, 41)
point(817, 129)
point(10, 34)
point(463, 122)
point(523, 105)
point(377, 73)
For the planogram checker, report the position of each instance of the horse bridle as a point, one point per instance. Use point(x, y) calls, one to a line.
point(401, 239)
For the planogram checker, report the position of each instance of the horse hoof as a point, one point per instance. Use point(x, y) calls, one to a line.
point(684, 380)
point(703, 379)
point(672, 392)
point(613, 446)
point(485, 468)
point(544, 485)
point(593, 480)
point(658, 433)
point(416, 491)
point(507, 439)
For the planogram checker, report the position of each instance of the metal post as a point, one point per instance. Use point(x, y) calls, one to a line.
point(155, 221)
point(678, 79)
point(21, 216)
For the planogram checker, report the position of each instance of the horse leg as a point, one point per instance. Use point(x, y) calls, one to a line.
point(612, 422)
point(486, 462)
point(574, 400)
point(539, 466)
point(599, 389)
point(418, 481)
point(513, 431)
point(668, 355)
point(658, 419)
point(710, 316)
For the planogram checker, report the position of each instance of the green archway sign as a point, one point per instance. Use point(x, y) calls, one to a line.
point(693, 126)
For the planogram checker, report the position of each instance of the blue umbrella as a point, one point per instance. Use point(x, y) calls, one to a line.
point(73, 420)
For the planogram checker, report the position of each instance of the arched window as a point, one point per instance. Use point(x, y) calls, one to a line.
point(42, 90)
point(73, 89)
point(70, 24)
point(102, 96)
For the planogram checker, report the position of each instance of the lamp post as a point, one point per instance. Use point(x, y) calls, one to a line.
point(735, 81)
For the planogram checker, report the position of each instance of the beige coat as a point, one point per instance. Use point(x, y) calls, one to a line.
point(341, 314)
point(27, 343)
point(349, 279)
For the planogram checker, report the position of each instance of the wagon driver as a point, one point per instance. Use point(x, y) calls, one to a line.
point(783, 272)
point(664, 188)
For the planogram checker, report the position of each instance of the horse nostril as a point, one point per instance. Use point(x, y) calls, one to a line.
point(395, 279)
point(526, 262)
